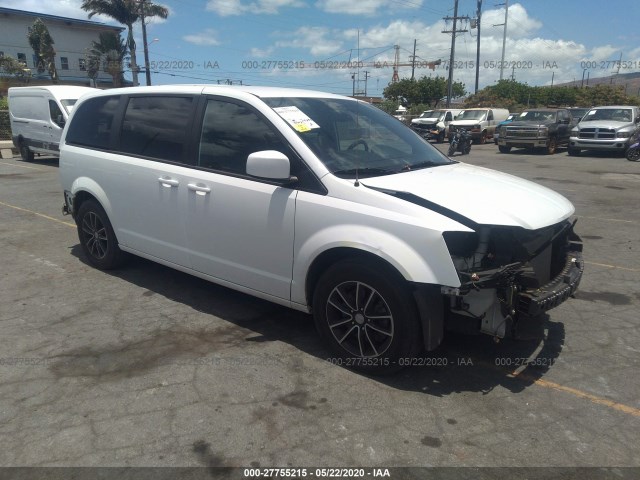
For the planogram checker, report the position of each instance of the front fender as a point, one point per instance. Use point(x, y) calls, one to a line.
point(428, 261)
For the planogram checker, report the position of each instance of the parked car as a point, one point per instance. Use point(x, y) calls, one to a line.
point(537, 128)
point(37, 116)
point(509, 119)
point(481, 122)
point(605, 129)
point(321, 203)
point(434, 124)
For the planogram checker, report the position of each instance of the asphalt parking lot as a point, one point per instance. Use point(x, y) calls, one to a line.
point(146, 366)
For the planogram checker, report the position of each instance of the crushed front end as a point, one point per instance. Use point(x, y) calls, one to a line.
point(508, 274)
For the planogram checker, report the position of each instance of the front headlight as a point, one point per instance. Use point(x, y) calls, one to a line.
point(575, 131)
point(543, 131)
point(624, 134)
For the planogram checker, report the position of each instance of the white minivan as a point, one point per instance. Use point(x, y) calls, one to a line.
point(37, 116)
point(322, 203)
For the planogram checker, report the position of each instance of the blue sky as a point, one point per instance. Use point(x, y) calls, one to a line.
point(206, 41)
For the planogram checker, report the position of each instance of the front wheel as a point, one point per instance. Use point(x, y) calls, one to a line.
point(633, 154)
point(452, 149)
point(551, 146)
point(97, 238)
point(367, 316)
point(504, 149)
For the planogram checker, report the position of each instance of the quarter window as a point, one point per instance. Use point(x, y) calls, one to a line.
point(157, 127)
point(55, 113)
point(92, 122)
point(230, 132)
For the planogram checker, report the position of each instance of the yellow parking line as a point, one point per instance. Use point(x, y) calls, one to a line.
point(579, 393)
point(606, 265)
point(69, 224)
point(18, 165)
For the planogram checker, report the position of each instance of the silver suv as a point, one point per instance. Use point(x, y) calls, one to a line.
point(605, 128)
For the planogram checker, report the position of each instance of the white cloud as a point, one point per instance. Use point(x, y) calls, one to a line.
point(226, 8)
point(364, 7)
point(519, 23)
point(320, 41)
point(261, 53)
point(205, 38)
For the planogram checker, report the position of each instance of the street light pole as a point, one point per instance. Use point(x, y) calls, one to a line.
point(144, 43)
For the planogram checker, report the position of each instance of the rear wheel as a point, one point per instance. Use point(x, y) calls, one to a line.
point(25, 152)
point(367, 316)
point(504, 149)
point(97, 237)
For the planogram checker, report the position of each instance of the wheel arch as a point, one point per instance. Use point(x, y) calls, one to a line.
point(84, 189)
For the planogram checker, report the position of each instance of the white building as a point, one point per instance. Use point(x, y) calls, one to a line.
point(72, 39)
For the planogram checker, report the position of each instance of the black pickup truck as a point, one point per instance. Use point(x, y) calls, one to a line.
point(545, 128)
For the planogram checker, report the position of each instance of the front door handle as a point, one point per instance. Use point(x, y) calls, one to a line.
point(168, 182)
point(198, 188)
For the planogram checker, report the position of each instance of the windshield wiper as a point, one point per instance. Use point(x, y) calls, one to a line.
point(368, 171)
point(417, 166)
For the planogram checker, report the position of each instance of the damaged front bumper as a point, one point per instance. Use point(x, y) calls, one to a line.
point(542, 270)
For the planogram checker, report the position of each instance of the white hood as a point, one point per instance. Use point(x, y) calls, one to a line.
point(485, 196)
point(425, 120)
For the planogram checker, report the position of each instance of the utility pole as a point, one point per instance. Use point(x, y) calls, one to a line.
point(453, 33)
point(353, 89)
point(413, 60)
point(366, 77)
point(553, 74)
point(144, 43)
point(478, 15)
point(504, 34)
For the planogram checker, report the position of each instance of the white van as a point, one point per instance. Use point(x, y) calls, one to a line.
point(481, 122)
point(38, 115)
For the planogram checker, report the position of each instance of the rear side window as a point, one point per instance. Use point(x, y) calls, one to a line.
point(92, 122)
point(156, 127)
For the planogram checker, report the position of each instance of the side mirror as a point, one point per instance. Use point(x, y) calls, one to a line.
point(269, 164)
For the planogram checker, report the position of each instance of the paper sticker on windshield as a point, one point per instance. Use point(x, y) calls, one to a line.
point(523, 114)
point(296, 118)
point(592, 112)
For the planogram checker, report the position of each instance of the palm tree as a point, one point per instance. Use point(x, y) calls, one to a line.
point(122, 11)
point(42, 44)
point(109, 53)
point(127, 12)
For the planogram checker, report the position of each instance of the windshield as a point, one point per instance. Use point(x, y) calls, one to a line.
point(537, 116)
point(472, 115)
point(433, 114)
point(68, 103)
point(347, 135)
point(615, 114)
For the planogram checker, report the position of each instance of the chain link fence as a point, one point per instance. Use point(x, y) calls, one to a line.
point(5, 127)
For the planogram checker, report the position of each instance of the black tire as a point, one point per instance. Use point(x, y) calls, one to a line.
point(633, 154)
point(452, 149)
point(574, 152)
point(504, 148)
point(467, 149)
point(552, 146)
point(25, 152)
point(365, 313)
point(97, 238)
point(483, 138)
